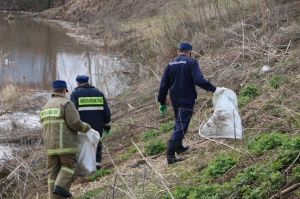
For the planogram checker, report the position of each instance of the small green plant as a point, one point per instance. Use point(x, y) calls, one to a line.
point(149, 134)
point(267, 141)
point(277, 80)
point(243, 100)
point(91, 194)
point(250, 90)
point(180, 192)
point(154, 147)
point(98, 174)
point(220, 165)
point(247, 93)
point(152, 133)
point(204, 192)
point(167, 126)
point(296, 173)
point(128, 153)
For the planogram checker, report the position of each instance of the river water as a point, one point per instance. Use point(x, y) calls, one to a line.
point(37, 52)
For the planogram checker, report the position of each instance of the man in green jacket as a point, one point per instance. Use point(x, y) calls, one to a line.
point(61, 122)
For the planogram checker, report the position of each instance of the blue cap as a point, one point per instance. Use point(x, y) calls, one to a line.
point(59, 83)
point(184, 46)
point(82, 78)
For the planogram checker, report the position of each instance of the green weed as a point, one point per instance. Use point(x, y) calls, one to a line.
point(250, 90)
point(277, 80)
point(167, 126)
point(267, 141)
point(128, 153)
point(98, 174)
point(154, 147)
point(220, 165)
point(247, 93)
point(164, 128)
point(243, 100)
point(149, 134)
point(91, 194)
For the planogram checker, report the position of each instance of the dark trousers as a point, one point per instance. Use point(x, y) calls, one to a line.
point(183, 111)
point(60, 169)
point(99, 154)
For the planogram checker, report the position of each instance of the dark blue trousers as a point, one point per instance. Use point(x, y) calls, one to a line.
point(183, 111)
point(99, 155)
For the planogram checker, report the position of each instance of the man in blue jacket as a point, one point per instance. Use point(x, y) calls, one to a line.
point(180, 77)
point(93, 109)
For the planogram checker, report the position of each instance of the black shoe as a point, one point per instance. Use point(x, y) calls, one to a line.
point(179, 148)
point(173, 160)
point(98, 167)
point(182, 149)
point(171, 153)
point(62, 192)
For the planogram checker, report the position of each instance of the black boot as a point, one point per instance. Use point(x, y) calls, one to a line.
point(171, 153)
point(62, 192)
point(179, 148)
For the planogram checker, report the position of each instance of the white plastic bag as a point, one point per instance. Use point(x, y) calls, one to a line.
point(226, 121)
point(86, 157)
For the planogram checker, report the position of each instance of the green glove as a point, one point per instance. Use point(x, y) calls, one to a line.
point(163, 109)
point(106, 132)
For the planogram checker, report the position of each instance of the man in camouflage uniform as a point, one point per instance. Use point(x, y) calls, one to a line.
point(61, 122)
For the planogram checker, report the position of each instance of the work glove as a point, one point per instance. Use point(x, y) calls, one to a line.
point(106, 132)
point(163, 109)
point(219, 90)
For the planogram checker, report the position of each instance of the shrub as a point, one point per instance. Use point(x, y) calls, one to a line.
point(204, 192)
point(220, 165)
point(277, 80)
point(149, 134)
point(247, 93)
point(167, 126)
point(180, 192)
point(98, 174)
point(250, 91)
point(91, 194)
point(266, 142)
point(128, 153)
point(164, 128)
point(154, 147)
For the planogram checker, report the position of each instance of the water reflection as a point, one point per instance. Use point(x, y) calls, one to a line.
point(38, 52)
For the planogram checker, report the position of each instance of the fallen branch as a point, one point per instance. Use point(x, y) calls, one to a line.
point(286, 191)
point(292, 164)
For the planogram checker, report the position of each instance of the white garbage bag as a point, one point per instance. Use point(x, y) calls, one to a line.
point(226, 121)
point(86, 157)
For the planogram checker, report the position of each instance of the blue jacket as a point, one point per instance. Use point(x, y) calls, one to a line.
point(92, 107)
point(181, 76)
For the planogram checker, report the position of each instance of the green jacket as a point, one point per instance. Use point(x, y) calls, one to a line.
point(61, 122)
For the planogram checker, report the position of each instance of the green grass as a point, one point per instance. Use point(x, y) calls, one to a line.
point(154, 147)
point(91, 194)
point(98, 174)
point(247, 93)
point(277, 81)
point(153, 133)
point(128, 153)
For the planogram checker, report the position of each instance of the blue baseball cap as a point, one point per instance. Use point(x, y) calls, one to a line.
point(82, 78)
point(184, 46)
point(59, 83)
